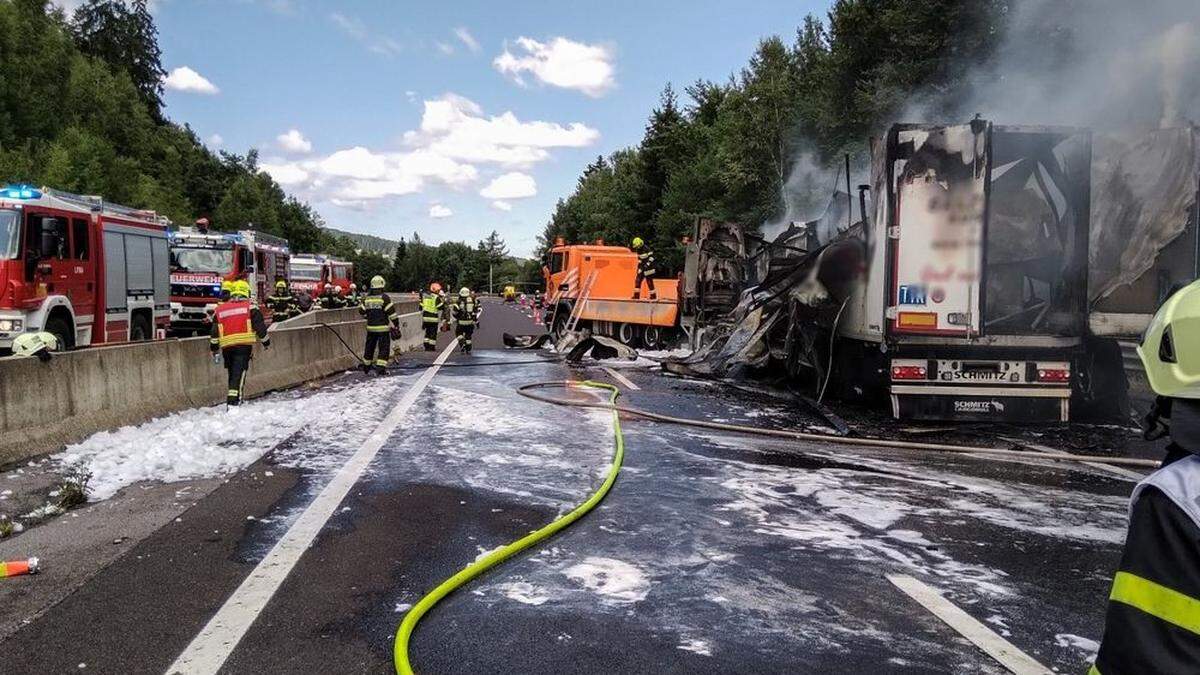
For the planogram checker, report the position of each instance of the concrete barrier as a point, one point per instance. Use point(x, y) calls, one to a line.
point(44, 406)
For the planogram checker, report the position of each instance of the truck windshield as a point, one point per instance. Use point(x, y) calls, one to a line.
point(10, 234)
point(188, 259)
point(306, 272)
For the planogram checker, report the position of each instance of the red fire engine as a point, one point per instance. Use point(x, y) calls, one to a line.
point(88, 271)
point(312, 273)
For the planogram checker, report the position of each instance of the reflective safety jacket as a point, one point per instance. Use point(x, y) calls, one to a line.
point(646, 263)
point(377, 307)
point(1153, 619)
point(237, 322)
point(332, 302)
point(466, 311)
point(283, 306)
point(431, 307)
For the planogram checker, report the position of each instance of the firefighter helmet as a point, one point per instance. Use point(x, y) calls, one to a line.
point(464, 292)
point(281, 285)
point(240, 289)
point(35, 344)
point(377, 283)
point(638, 243)
point(353, 286)
point(1172, 365)
point(435, 287)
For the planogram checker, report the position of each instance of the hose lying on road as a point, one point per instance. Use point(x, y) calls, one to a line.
point(526, 391)
point(403, 665)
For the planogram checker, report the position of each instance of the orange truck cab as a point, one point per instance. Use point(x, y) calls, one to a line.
point(596, 283)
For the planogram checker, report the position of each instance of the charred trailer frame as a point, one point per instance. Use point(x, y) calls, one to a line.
point(975, 301)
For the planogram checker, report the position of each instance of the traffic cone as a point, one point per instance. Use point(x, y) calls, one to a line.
point(18, 567)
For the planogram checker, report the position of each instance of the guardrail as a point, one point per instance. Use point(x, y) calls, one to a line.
point(44, 406)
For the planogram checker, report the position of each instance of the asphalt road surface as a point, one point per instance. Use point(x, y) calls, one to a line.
point(713, 553)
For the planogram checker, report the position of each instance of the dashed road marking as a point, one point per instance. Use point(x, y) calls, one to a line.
point(622, 379)
point(980, 635)
point(209, 650)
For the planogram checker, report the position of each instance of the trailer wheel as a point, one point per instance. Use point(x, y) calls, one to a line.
point(652, 337)
point(61, 329)
point(627, 334)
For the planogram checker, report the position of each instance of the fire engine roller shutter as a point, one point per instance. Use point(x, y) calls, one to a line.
point(139, 265)
point(162, 272)
point(114, 272)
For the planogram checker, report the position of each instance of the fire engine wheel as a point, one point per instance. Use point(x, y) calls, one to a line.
point(652, 337)
point(627, 333)
point(61, 329)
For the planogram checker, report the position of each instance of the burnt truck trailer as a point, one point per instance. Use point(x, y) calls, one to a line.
point(974, 304)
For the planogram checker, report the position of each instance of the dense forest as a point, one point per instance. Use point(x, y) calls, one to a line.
point(727, 150)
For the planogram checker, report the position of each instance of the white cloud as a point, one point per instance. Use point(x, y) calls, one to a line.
point(560, 63)
point(440, 211)
point(356, 29)
point(285, 174)
point(467, 39)
point(186, 79)
point(216, 140)
point(455, 137)
point(294, 141)
point(444, 47)
point(512, 185)
point(456, 127)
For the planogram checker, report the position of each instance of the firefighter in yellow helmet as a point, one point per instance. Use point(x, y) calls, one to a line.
point(466, 315)
point(645, 269)
point(1153, 620)
point(283, 305)
point(382, 326)
point(237, 325)
point(431, 314)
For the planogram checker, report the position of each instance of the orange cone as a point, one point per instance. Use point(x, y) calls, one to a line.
point(18, 567)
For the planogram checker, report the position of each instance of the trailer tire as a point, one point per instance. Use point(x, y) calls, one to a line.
point(140, 330)
point(627, 334)
point(60, 327)
point(652, 337)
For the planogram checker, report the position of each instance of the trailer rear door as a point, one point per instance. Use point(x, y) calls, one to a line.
point(939, 179)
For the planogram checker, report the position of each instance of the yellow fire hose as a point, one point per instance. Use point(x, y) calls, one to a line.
point(409, 623)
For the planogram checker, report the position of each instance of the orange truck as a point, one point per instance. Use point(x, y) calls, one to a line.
point(592, 284)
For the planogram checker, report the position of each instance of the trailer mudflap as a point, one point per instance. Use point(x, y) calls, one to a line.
point(983, 404)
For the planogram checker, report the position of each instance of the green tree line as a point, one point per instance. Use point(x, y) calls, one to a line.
point(81, 110)
point(725, 150)
point(456, 264)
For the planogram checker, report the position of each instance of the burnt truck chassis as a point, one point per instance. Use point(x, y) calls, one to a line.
point(791, 323)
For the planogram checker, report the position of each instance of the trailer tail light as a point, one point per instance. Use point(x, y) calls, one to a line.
point(917, 320)
point(909, 372)
point(1054, 375)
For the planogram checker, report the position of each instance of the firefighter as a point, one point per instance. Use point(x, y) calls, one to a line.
point(283, 305)
point(382, 326)
point(226, 287)
point(645, 269)
point(352, 297)
point(237, 324)
point(1153, 620)
point(431, 314)
point(466, 316)
point(330, 299)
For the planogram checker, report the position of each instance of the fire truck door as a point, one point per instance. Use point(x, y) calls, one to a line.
point(81, 277)
point(49, 253)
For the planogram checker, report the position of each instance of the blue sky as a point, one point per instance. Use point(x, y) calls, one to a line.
point(448, 119)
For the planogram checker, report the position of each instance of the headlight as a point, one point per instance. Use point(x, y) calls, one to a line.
point(11, 325)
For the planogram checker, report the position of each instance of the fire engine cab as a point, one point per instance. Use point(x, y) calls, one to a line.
point(88, 271)
point(201, 260)
point(312, 273)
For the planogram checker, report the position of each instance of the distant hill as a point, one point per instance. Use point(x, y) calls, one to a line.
point(367, 242)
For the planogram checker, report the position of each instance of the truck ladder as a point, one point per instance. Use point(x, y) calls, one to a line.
point(585, 293)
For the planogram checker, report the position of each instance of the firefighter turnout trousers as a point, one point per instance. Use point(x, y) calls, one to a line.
point(1153, 619)
point(237, 365)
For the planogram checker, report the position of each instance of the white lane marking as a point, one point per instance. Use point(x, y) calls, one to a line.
point(980, 635)
point(1108, 468)
point(622, 379)
point(217, 640)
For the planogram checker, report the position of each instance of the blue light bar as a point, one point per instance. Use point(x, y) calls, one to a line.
point(20, 192)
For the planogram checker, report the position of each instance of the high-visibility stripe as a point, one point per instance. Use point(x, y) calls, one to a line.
point(236, 339)
point(1157, 600)
point(377, 329)
point(1093, 670)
